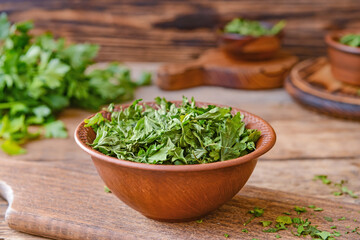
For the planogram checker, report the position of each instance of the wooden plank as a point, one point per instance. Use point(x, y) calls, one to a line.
point(172, 30)
point(69, 203)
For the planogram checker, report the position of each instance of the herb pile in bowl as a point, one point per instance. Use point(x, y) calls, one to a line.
point(352, 40)
point(170, 134)
point(40, 76)
point(252, 28)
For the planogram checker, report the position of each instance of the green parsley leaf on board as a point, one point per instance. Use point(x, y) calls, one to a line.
point(278, 236)
point(170, 134)
point(41, 75)
point(342, 219)
point(244, 230)
point(226, 235)
point(199, 220)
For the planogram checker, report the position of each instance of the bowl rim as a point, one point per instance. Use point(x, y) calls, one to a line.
point(270, 139)
point(331, 42)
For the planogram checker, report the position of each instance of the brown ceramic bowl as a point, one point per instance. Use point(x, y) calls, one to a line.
point(344, 60)
point(249, 47)
point(176, 193)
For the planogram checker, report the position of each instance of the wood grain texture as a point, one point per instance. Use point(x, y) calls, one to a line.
point(172, 30)
point(312, 83)
point(215, 68)
point(58, 193)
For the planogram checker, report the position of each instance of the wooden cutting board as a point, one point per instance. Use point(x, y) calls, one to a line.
point(54, 190)
point(216, 68)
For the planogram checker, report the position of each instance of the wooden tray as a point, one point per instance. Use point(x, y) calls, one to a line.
point(216, 68)
point(312, 84)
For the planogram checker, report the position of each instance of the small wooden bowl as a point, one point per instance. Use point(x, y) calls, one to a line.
point(175, 193)
point(344, 60)
point(249, 47)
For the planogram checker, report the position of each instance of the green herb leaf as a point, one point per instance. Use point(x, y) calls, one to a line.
point(323, 178)
point(55, 129)
point(244, 230)
point(266, 223)
point(284, 219)
point(342, 219)
point(252, 28)
point(352, 40)
point(106, 189)
point(329, 219)
point(300, 210)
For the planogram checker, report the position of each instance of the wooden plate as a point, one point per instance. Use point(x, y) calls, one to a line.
point(216, 68)
point(312, 84)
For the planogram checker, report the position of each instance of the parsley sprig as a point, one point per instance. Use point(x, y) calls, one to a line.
point(40, 76)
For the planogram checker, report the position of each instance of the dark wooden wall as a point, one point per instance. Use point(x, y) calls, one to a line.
point(176, 30)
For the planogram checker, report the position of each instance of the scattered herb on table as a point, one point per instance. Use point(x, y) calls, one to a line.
point(226, 235)
point(266, 223)
point(244, 230)
point(106, 189)
point(256, 212)
point(341, 189)
point(286, 213)
point(318, 209)
point(278, 236)
point(40, 76)
point(199, 220)
point(252, 28)
point(300, 210)
point(186, 134)
point(352, 40)
point(323, 178)
point(333, 227)
point(329, 219)
point(342, 219)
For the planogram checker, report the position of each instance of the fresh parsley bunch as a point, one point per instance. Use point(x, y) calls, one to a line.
point(168, 134)
point(352, 40)
point(252, 28)
point(40, 76)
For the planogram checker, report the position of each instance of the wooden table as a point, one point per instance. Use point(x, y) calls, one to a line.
point(308, 144)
